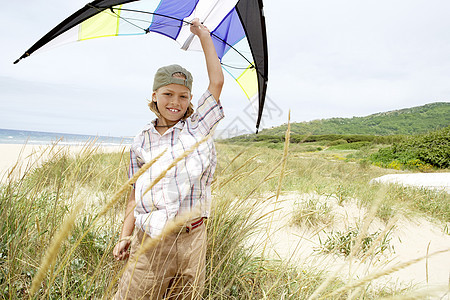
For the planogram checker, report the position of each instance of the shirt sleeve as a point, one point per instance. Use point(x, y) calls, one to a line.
point(135, 160)
point(133, 167)
point(208, 114)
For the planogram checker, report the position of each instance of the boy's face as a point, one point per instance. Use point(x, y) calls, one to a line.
point(172, 101)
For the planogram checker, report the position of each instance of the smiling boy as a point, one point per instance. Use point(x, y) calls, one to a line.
point(175, 268)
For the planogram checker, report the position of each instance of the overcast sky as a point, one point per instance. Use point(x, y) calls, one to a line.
point(326, 59)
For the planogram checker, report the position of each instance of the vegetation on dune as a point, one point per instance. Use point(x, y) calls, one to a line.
point(423, 152)
point(413, 120)
point(417, 152)
point(344, 242)
point(40, 211)
point(329, 139)
point(34, 209)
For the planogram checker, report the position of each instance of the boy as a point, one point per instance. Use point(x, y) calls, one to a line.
point(175, 268)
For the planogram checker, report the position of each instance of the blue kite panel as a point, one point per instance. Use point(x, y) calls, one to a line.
point(230, 30)
point(176, 11)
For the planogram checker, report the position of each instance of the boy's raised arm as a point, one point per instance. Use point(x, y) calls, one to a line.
point(213, 66)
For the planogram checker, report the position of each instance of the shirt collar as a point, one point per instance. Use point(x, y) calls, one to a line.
point(151, 126)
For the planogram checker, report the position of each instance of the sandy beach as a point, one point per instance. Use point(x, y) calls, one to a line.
point(15, 159)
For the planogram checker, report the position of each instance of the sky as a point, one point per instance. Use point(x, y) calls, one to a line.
point(327, 59)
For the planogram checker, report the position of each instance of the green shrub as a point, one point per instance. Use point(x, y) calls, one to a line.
point(388, 139)
point(351, 146)
point(268, 138)
point(337, 142)
point(418, 152)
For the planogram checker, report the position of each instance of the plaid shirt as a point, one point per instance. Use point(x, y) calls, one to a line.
point(187, 185)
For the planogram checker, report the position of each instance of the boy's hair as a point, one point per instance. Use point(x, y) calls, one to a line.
point(154, 107)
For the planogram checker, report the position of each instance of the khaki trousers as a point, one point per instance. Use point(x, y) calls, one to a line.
point(173, 269)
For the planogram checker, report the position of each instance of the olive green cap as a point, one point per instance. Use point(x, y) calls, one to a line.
point(164, 76)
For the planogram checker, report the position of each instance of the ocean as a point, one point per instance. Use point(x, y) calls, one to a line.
point(10, 136)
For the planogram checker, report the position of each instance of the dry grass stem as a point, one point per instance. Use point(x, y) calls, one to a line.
point(171, 227)
point(129, 183)
point(280, 182)
point(232, 161)
point(377, 241)
point(368, 219)
point(177, 160)
point(148, 243)
point(109, 205)
point(153, 242)
point(317, 292)
point(333, 275)
point(235, 173)
point(377, 275)
point(426, 263)
point(51, 254)
point(428, 293)
point(285, 155)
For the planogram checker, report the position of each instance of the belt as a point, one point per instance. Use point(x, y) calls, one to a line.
point(195, 224)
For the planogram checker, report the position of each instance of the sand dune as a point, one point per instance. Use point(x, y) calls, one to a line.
point(437, 181)
point(409, 239)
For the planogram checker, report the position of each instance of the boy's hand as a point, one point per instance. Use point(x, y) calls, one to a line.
point(120, 251)
point(199, 29)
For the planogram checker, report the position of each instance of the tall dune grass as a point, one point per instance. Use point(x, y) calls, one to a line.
point(247, 180)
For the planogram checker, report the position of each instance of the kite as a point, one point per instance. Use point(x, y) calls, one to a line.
point(237, 27)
